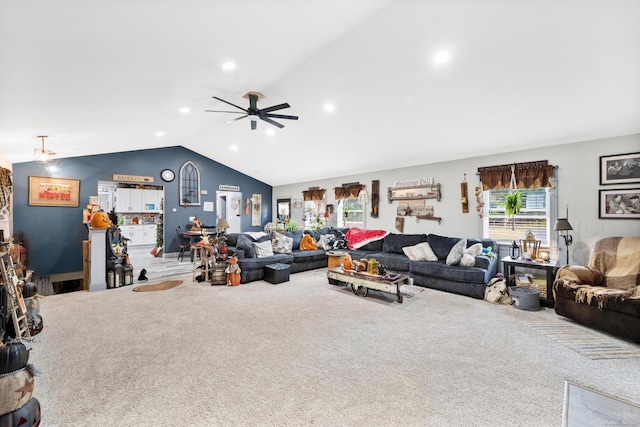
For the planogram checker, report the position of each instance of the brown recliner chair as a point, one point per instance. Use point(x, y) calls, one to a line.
point(604, 295)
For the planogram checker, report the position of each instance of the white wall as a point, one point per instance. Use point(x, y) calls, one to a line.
point(578, 185)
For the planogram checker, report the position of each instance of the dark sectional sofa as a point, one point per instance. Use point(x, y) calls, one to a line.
point(469, 281)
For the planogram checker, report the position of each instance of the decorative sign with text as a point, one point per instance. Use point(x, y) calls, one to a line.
point(228, 187)
point(132, 178)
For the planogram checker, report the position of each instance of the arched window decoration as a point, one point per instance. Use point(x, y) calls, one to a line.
point(189, 184)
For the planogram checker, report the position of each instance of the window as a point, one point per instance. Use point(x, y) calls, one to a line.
point(189, 184)
point(313, 214)
point(535, 215)
point(351, 213)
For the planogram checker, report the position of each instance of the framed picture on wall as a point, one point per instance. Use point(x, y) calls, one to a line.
point(621, 203)
point(45, 191)
point(620, 169)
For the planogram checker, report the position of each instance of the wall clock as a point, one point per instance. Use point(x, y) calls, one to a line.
point(167, 175)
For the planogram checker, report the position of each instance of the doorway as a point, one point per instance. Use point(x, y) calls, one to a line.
point(229, 207)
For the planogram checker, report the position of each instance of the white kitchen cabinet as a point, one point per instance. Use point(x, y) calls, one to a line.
point(149, 234)
point(129, 200)
point(151, 200)
point(133, 233)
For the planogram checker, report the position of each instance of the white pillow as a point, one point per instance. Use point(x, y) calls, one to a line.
point(469, 255)
point(281, 244)
point(455, 254)
point(326, 241)
point(420, 252)
point(263, 249)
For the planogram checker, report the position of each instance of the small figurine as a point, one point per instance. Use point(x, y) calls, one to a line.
point(233, 271)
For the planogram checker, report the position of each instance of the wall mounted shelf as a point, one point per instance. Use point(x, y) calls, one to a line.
point(417, 192)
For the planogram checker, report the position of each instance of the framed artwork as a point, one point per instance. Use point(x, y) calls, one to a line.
point(620, 169)
point(621, 203)
point(256, 212)
point(45, 191)
point(297, 203)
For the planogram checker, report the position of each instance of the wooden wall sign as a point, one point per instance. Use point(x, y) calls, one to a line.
point(375, 197)
point(464, 195)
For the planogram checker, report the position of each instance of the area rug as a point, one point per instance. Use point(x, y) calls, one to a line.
point(589, 344)
point(161, 286)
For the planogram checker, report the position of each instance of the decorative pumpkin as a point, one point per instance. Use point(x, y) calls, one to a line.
point(26, 416)
point(21, 381)
point(13, 356)
point(100, 219)
point(348, 263)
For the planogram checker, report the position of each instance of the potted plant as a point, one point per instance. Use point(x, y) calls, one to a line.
point(157, 250)
point(512, 204)
point(291, 225)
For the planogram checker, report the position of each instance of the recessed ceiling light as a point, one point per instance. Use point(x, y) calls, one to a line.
point(159, 134)
point(233, 148)
point(441, 57)
point(229, 66)
point(329, 108)
point(185, 110)
point(270, 132)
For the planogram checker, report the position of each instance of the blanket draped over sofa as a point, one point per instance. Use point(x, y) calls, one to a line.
point(606, 293)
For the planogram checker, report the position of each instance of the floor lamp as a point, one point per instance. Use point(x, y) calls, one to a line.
point(563, 227)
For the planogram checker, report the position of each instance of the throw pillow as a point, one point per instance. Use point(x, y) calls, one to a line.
point(455, 254)
point(263, 249)
point(281, 244)
point(245, 244)
point(393, 243)
point(326, 241)
point(420, 252)
point(469, 255)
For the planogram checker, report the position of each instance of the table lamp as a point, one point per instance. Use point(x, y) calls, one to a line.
point(563, 226)
point(222, 225)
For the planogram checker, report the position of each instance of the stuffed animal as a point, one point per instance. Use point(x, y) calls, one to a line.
point(233, 271)
point(308, 243)
point(488, 252)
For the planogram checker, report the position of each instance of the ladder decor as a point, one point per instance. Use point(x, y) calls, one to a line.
point(14, 292)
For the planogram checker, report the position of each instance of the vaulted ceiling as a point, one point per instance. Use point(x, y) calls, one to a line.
point(98, 77)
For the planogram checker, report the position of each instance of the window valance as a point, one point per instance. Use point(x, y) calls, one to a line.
point(527, 175)
point(348, 191)
point(313, 194)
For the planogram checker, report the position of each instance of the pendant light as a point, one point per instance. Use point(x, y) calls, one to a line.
point(41, 155)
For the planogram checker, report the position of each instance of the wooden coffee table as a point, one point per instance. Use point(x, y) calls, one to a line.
point(361, 282)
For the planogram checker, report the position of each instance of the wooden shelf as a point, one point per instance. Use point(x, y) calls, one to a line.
point(417, 192)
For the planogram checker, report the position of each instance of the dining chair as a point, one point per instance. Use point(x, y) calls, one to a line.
point(185, 243)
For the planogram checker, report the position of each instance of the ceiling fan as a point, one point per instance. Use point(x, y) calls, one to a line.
point(254, 113)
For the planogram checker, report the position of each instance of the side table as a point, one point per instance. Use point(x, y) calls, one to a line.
point(509, 266)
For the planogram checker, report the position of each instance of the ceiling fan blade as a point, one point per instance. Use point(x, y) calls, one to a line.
point(237, 118)
point(275, 107)
point(273, 122)
point(254, 125)
point(281, 116)
point(227, 102)
point(219, 111)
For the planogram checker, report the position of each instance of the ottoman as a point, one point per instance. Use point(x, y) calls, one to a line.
point(276, 273)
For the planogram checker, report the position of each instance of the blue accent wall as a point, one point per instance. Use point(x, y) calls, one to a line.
point(53, 236)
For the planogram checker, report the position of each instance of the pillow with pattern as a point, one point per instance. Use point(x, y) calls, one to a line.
point(455, 254)
point(281, 244)
point(263, 249)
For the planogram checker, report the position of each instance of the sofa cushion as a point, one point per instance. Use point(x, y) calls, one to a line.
point(263, 249)
point(232, 239)
point(420, 252)
point(441, 245)
point(374, 246)
point(245, 244)
point(395, 242)
point(307, 256)
point(455, 254)
point(281, 243)
point(456, 273)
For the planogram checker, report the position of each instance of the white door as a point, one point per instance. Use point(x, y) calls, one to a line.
point(230, 207)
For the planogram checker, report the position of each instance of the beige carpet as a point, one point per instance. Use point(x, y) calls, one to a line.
point(301, 353)
point(162, 286)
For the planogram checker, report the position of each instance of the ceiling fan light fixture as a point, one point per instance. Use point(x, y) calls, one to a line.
point(41, 155)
